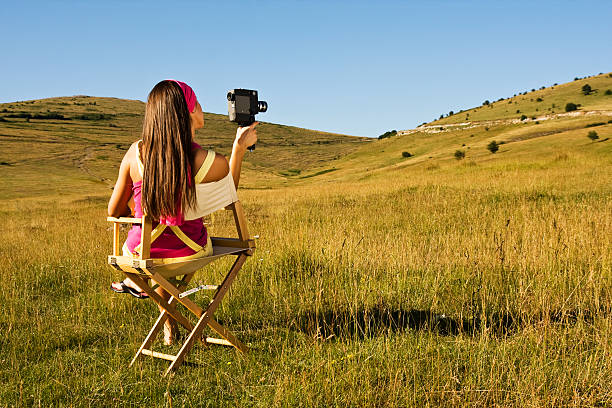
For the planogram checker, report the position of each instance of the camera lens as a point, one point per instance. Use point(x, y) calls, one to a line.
point(231, 96)
point(262, 106)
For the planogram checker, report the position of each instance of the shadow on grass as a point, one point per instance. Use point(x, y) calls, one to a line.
point(380, 319)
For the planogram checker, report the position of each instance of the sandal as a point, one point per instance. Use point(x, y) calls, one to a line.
point(121, 287)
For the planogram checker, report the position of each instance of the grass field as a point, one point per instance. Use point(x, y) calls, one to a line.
point(378, 280)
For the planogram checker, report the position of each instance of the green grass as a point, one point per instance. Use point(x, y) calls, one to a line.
point(385, 282)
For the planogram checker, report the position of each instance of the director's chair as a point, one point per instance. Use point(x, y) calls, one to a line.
point(210, 198)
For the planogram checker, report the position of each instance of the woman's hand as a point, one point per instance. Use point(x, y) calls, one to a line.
point(246, 136)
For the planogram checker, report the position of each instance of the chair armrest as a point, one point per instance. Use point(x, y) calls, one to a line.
point(116, 262)
point(124, 220)
point(232, 242)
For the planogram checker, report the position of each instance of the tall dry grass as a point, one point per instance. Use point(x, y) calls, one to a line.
point(454, 286)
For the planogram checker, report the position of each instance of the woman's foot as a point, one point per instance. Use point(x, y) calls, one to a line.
point(127, 286)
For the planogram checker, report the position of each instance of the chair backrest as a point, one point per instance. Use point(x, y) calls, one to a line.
point(210, 197)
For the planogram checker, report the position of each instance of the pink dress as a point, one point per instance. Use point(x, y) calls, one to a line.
point(168, 244)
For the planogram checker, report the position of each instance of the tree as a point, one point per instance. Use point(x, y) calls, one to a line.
point(523, 117)
point(593, 135)
point(406, 154)
point(608, 92)
point(451, 113)
point(486, 102)
point(493, 146)
point(586, 89)
point(388, 134)
point(570, 106)
point(459, 154)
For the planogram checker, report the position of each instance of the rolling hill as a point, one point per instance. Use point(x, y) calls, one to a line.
point(59, 145)
point(547, 137)
point(79, 140)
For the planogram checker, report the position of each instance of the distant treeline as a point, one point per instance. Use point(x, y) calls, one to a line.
point(59, 116)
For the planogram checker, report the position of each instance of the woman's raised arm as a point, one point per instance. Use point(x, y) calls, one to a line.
point(245, 137)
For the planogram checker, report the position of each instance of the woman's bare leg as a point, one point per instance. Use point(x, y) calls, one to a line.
point(170, 326)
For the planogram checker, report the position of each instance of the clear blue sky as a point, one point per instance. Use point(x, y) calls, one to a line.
point(354, 67)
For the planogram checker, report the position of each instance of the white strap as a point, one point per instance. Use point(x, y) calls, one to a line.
point(203, 170)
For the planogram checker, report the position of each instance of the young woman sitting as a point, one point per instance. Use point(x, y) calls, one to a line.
point(159, 174)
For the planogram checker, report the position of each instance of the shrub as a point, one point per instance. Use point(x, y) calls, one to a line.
point(586, 89)
point(20, 115)
point(594, 124)
point(523, 117)
point(451, 113)
point(518, 111)
point(570, 106)
point(539, 100)
point(388, 134)
point(441, 116)
point(493, 146)
point(486, 129)
point(486, 102)
point(95, 116)
point(406, 154)
point(49, 116)
point(2, 119)
point(610, 121)
point(459, 154)
point(593, 135)
point(610, 75)
point(608, 92)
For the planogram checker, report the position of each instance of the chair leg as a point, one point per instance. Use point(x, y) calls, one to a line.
point(198, 311)
point(227, 335)
point(168, 307)
point(210, 310)
point(158, 325)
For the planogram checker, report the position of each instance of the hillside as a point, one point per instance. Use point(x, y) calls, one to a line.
point(52, 146)
point(547, 137)
point(539, 103)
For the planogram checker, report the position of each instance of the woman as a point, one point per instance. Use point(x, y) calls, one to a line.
point(159, 173)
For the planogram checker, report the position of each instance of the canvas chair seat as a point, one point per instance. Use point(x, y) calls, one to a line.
point(143, 270)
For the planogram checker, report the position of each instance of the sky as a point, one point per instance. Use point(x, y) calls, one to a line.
point(352, 67)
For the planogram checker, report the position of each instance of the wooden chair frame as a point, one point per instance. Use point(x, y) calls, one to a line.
point(143, 267)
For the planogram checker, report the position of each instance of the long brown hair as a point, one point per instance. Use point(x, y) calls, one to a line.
point(167, 181)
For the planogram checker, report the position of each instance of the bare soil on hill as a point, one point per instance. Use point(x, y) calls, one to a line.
point(473, 124)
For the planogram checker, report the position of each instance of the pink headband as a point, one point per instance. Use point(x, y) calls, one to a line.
point(190, 97)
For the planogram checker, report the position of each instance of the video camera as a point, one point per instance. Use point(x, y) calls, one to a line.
point(243, 105)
